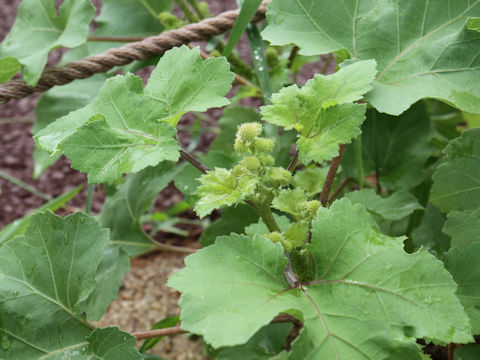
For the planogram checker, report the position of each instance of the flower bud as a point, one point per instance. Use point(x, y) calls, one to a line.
point(278, 177)
point(262, 145)
point(247, 132)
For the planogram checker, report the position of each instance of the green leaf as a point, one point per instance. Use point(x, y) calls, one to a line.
point(310, 179)
point(199, 84)
point(58, 102)
point(38, 30)
point(162, 324)
point(463, 227)
point(364, 281)
point(423, 49)
point(45, 275)
point(290, 201)
point(395, 147)
point(470, 352)
point(321, 111)
point(134, 197)
point(265, 344)
point(19, 226)
point(111, 344)
point(259, 61)
point(247, 11)
point(394, 207)
point(111, 270)
point(131, 122)
point(429, 234)
point(106, 152)
point(456, 180)
point(464, 265)
point(220, 187)
point(9, 66)
point(232, 220)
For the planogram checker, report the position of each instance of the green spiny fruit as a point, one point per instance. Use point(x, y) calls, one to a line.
point(303, 264)
point(262, 145)
point(278, 177)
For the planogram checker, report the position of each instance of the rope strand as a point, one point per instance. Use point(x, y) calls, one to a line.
point(150, 46)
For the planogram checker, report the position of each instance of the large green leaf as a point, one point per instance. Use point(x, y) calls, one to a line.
point(396, 147)
point(395, 207)
point(464, 265)
point(470, 352)
point(422, 47)
point(57, 102)
point(368, 300)
point(45, 275)
point(126, 128)
point(456, 182)
point(38, 30)
point(322, 111)
point(134, 197)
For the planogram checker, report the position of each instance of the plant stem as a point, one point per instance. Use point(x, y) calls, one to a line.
point(359, 161)
point(293, 163)
point(88, 204)
point(189, 158)
point(176, 330)
point(196, 7)
point(25, 186)
point(292, 56)
point(327, 186)
point(173, 248)
point(265, 213)
point(186, 11)
point(339, 189)
point(115, 38)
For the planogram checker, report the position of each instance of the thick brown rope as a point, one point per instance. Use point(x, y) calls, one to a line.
point(154, 45)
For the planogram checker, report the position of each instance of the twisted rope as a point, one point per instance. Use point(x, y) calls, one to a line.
point(148, 47)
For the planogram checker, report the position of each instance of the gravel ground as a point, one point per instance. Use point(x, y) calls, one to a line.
point(143, 299)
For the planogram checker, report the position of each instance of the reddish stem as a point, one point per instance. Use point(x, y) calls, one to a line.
point(327, 186)
point(339, 188)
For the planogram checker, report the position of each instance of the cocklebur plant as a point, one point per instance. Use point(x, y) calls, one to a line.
point(366, 273)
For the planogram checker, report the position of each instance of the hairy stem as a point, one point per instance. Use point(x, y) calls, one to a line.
point(189, 158)
point(264, 211)
point(327, 186)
